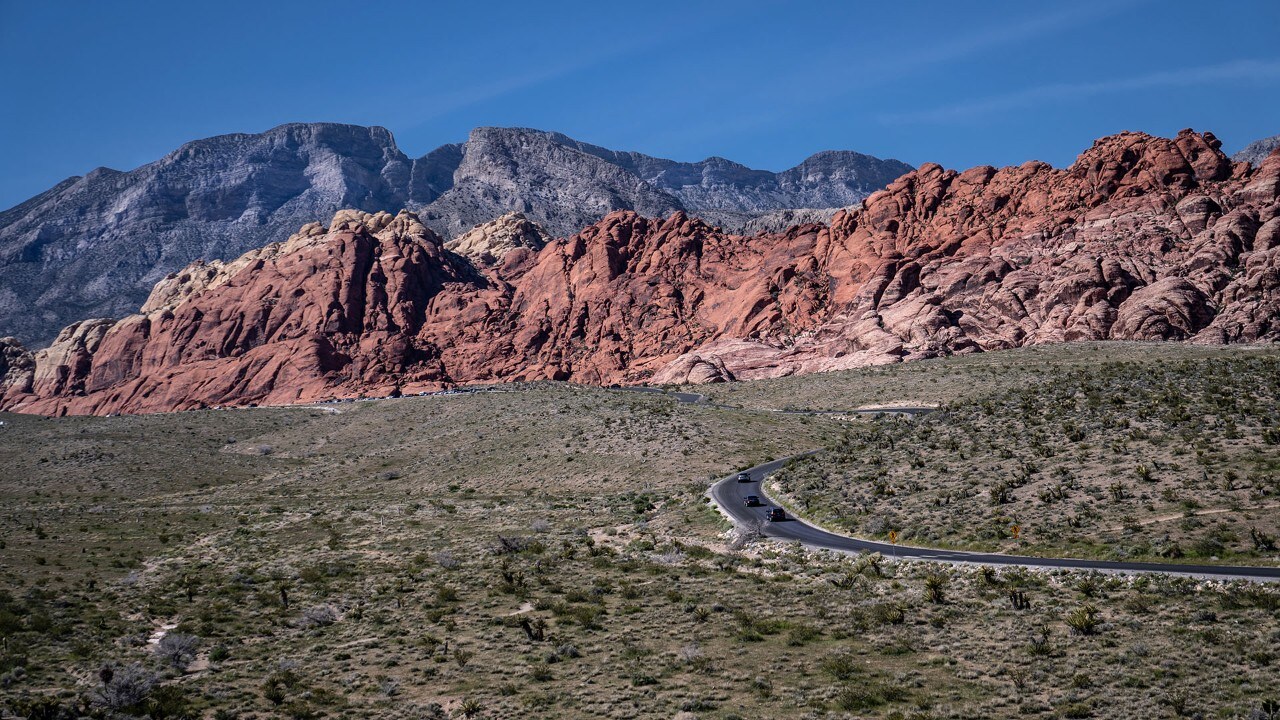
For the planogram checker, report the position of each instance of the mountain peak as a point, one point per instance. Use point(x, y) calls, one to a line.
point(1258, 150)
point(94, 245)
point(1144, 238)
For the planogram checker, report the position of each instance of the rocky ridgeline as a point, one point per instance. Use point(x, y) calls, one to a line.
point(94, 245)
point(1143, 238)
point(1258, 150)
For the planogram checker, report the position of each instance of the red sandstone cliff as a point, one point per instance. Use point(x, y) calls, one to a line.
point(1142, 238)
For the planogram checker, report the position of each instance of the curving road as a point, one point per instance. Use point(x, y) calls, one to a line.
point(730, 495)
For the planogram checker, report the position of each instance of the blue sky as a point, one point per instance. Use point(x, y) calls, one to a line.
point(121, 83)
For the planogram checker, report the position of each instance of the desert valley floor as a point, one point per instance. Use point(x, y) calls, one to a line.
point(548, 550)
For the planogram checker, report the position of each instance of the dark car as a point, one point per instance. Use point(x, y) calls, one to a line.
point(776, 514)
point(744, 477)
point(753, 501)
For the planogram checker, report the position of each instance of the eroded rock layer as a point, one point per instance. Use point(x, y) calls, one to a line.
point(1142, 238)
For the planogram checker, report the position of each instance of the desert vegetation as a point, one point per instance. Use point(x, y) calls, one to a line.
point(1169, 459)
point(547, 551)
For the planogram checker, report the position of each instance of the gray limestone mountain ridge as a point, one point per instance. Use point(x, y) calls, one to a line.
point(1256, 151)
point(94, 245)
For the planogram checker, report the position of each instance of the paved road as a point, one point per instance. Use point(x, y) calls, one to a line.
point(684, 397)
point(730, 495)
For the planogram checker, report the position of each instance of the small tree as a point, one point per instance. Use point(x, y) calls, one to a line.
point(935, 588)
point(123, 687)
point(871, 562)
point(177, 650)
point(1001, 493)
point(1262, 542)
point(1118, 491)
point(1039, 646)
point(1084, 620)
point(190, 583)
point(535, 629)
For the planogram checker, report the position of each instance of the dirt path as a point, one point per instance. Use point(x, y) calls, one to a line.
point(1196, 513)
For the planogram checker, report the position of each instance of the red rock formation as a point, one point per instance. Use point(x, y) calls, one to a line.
point(1142, 238)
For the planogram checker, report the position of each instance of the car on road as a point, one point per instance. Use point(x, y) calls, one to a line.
point(752, 500)
point(776, 514)
point(744, 477)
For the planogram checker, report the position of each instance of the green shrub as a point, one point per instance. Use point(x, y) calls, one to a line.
point(842, 667)
point(1084, 620)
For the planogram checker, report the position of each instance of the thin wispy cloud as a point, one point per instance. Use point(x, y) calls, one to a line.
point(432, 103)
point(451, 101)
point(1239, 70)
point(879, 71)
point(850, 69)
